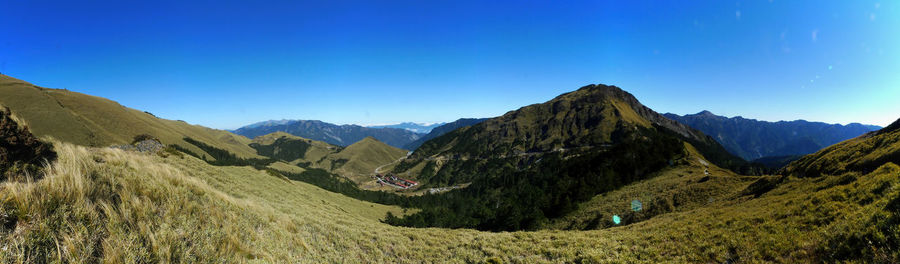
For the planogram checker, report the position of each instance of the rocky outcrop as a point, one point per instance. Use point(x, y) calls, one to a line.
point(150, 146)
point(21, 153)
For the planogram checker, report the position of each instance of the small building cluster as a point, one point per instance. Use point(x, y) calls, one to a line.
point(391, 179)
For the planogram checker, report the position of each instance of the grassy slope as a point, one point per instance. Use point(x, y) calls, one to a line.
point(94, 121)
point(127, 207)
point(361, 159)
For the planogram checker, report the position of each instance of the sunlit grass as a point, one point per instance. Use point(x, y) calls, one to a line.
point(115, 206)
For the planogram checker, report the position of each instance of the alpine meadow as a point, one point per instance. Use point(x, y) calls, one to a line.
point(449, 132)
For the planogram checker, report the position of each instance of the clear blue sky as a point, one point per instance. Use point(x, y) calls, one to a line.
point(226, 64)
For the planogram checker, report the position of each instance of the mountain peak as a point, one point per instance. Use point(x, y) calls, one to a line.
point(368, 140)
point(602, 90)
point(705, 113)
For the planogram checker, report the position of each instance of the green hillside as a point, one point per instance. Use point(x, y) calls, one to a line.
point(93, 121)
point(538, 163)
point(593, 118)
point(358, 161)
point(292, 149)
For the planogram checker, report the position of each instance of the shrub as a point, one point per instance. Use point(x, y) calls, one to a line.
point(143, 137)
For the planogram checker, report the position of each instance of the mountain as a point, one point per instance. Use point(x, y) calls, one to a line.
point(342, 135)
point(269, 123)
point(753, 139)
point(595, 117)
point(292, 149)
point(356, 162)
point(93, 121)
point(443, 129)
point(420, 128)
point(537, 163)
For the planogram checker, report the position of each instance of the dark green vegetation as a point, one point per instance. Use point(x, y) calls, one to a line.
point(776, 162)
point(753, 139)
point(21, 153)
point(221, 157)
point(342, 135)
point(509, 198)
point(443, 129)
point(283, 149)
point(541, 161)
point(331, 182)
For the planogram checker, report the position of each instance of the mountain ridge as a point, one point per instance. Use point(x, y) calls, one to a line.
point(443, 129)
point(421, 128)
point(753, 139)
point(341, 135)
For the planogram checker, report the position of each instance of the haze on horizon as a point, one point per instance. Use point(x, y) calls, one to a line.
point(229, 64)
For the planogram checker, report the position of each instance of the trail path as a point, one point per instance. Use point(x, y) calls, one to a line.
point(396, 161)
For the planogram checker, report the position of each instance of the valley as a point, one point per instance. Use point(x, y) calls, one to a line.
point(555, 194)
point(449, 132)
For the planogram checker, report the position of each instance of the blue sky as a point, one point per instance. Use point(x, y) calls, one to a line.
point(226, 64)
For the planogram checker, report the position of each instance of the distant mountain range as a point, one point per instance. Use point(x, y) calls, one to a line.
point(754, 139)
point(594, 158)
point(414, 127)
point(341, 135)
point(444, 129)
